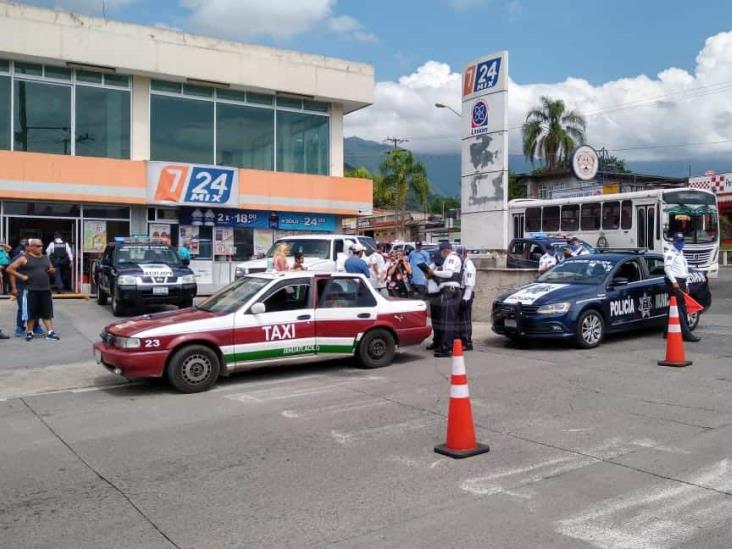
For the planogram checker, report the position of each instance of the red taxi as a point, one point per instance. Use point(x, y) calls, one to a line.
point(261, 319)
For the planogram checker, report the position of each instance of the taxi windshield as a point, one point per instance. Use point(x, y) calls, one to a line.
point(578, 271)
point(235, 295)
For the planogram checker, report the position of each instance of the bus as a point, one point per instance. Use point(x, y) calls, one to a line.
point(643, 219)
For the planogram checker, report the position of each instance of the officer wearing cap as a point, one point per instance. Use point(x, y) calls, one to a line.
point(677, 271)
point(467, 284)
point(449, 277)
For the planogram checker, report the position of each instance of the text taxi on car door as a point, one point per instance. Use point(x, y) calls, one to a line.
point(264, 318)
point(586, 297)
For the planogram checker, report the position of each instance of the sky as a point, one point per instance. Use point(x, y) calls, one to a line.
point(652, 77)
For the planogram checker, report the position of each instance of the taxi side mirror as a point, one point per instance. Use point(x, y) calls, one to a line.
point(258, 309)
point(619, 281)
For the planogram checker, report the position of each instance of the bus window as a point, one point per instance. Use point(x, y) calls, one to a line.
point(626, 219)
point(550, 218)
point(570, 218)
point(533, 219)
point(590, 216)
point(611, 215)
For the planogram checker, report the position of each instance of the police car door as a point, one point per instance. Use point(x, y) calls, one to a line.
point(285, 329)
point(345, 309)
point(657, 276)
point(630, 294)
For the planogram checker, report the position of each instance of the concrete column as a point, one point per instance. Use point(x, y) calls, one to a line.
point(336, 139)
point(140, 118)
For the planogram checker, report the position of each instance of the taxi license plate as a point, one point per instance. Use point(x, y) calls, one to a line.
point(98, 356)
point(510, 323)
point(160, 290)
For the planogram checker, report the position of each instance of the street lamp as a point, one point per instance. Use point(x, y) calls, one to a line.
point(442, 106)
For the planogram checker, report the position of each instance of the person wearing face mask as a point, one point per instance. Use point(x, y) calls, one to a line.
point(548, 260)
point(576, 247)
point(677, 271)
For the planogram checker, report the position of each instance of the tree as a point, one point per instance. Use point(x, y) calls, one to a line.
point(382, 197)
point(612, 163)
point(515, 188)
point(551, 132)
point(400, 172)
point(439, 204)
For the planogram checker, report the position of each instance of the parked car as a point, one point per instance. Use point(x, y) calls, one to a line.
point(584, 298)
point(262, 319)
point(322, 253)
point(525, 253)
point(137, 272)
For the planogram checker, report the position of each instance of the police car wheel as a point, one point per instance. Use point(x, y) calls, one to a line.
point(193, 369)
point(377, 349)
point(117, 308)
point(590, 329)
point(101, 297)
point(693, 321)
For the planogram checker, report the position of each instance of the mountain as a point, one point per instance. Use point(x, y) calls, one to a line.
point(443, 170)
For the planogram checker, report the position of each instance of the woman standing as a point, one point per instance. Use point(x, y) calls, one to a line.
point(280, 258)
point(398, 277)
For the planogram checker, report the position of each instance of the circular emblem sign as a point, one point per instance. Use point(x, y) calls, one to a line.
point(480, 114)
point(585, 163)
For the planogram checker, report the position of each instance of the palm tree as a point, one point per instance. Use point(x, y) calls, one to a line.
point(551, 132)
point(400, 172)
point(382, 197)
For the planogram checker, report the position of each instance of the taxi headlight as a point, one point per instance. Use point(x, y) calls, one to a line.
point(554, 309)
point(126, 342)
point(127, 280)
point(187, 279)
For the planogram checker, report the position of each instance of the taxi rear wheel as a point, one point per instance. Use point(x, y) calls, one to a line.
point(377, 349)
point(590, 329)
point(193, 369)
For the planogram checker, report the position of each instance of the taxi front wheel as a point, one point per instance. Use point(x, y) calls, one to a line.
point(590, 329)
point(377, 349)
point(193, 369)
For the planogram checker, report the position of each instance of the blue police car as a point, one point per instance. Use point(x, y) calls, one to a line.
point(586, 297)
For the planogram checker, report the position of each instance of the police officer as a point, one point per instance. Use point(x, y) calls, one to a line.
point(467, 285)
point(449, 279)
point(433, 294)
point(549, 259)
point(576, 247)
point(677, 271)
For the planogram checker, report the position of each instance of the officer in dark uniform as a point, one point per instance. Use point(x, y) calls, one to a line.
point(449, 277)
point(433, 295)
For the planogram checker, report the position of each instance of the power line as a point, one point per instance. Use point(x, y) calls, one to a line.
point(396, 141)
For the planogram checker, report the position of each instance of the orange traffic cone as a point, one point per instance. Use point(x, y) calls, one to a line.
point(460, 429)
point(674, 342)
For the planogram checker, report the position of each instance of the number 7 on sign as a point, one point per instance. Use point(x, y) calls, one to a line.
point(171, 183)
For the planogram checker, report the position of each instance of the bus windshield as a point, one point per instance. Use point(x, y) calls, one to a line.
point(693, 214)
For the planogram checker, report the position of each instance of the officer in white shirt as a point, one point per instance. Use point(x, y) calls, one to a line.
point(449, 279)
point(549, 259)
point(677, 271)
point(433, 294)
point(377, 265)
point(466, 304)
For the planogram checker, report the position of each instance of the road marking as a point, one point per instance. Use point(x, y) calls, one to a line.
point(667, 514)
point(349, 437)
point(333, 409)
point(73, 390)
point(294, 391)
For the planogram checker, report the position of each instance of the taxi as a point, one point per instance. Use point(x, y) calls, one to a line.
point(584, 298)
point(262, 319)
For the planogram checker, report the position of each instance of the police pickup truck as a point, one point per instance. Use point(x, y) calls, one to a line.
point(139, 272)
point(586, 297)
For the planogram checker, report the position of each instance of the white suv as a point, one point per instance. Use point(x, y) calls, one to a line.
point(323, 253)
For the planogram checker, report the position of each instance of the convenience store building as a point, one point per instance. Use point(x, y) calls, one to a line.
point(110, 129)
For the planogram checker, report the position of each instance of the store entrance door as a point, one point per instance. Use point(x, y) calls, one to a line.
point(44, 229)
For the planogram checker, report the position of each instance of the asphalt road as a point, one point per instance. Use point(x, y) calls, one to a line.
point(596, 448)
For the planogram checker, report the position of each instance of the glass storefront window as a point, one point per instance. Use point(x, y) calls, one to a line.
point(46, 209)
point(42, 117)
point(181, 130)
point(244, 244)
point(244, 136)
point(4, 112)
point(102, 122)
point(302, 143)
point(106, 212)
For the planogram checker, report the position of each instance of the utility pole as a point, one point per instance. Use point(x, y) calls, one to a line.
point(397, 207)
point(396, 141)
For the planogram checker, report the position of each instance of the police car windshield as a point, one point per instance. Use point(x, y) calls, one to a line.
point(232, 297)
point(307, 247)
point(147, 254)
point(578, 271)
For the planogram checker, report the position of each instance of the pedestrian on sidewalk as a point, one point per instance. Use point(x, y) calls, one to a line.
point(34, 268)
point(4, 262)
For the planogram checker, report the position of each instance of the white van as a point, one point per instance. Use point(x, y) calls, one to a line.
point(323, 253)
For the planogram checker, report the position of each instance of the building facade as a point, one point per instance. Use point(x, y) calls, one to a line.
point(110, 129)
point(721, 185)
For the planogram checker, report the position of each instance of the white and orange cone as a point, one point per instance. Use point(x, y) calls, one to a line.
point(674, 341)
point(461, 441)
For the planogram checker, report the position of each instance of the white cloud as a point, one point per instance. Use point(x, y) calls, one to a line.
point(627, 115)
point(346, 25)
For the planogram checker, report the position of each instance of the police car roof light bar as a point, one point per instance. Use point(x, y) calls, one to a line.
point(638, 251)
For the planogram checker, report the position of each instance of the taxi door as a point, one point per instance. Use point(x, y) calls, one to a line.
point(280, 326)
point(345, 309)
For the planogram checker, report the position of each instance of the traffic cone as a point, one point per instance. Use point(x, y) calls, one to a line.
point(674, 342)
point(460, 428)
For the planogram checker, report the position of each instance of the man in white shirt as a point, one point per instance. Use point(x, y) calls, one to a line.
point(377, 266)
point(466, 304)
point(548, 260)
point(449, 278)
point(677, 271)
